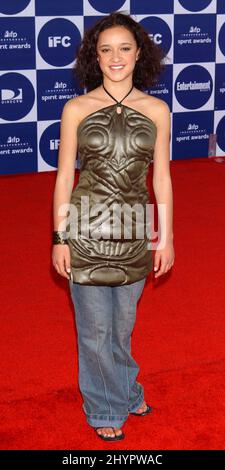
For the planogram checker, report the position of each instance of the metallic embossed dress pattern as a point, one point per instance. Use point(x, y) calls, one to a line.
point(115, 153)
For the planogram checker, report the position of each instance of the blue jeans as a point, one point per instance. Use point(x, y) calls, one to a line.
point(105, 317)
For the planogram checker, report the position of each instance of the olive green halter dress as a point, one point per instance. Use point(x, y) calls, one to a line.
point(116, 146)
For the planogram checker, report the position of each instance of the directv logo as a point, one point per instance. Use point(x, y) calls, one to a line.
point(8, 96)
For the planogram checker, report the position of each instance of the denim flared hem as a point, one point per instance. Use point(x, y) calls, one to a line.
point(99, 420)
point(134, 407)
point(106, 421)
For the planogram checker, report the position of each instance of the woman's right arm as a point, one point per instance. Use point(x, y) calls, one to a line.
point(65, 181)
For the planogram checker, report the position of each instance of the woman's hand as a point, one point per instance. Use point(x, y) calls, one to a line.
point(61, 259)
point(164, 259)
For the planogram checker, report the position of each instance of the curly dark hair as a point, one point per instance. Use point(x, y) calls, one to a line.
point(147, 69)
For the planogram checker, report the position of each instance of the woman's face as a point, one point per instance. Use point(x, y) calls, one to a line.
point(117, 52)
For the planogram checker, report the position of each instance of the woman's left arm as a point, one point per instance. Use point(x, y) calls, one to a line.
point(162, 185)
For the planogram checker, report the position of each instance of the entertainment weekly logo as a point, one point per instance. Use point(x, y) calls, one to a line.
point(113, 222)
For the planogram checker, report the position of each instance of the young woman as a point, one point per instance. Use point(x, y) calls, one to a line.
point(119, 130)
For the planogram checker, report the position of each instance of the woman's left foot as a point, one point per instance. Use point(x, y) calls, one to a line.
point(143, 410)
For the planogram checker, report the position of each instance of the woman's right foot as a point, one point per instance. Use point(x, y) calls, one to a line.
point(109, 432)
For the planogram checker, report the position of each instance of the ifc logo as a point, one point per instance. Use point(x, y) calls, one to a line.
point(159, 31)
point(10, 7)
point(57, 42)
point(49, 144)
point(193, 87)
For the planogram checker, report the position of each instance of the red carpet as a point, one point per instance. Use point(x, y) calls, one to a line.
point(178, 340)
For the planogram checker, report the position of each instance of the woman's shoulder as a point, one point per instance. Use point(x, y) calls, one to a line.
point(160, 109)
point(153, 107)
point(73, 103)
point(83, 103)
point(154, 102)
point(82, 100)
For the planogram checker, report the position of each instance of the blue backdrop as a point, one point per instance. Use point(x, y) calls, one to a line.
point(37, 50)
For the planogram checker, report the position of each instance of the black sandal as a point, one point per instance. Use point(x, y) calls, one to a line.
point(108, 438)
point(148, 410)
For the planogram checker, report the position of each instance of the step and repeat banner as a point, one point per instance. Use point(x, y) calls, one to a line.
point(38, 39)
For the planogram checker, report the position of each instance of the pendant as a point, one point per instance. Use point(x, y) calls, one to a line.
point(119, 109)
